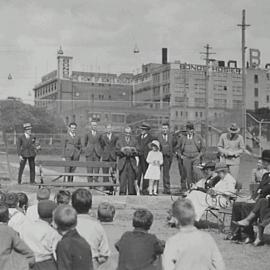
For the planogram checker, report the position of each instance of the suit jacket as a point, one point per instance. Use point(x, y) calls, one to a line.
point(121, 142)
point(72, 146)
point(143, 145)
point(108, 147)
point(26, 147)
point(166, 147)
point(92, 144)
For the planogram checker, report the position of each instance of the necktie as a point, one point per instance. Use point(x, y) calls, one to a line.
point(165, 137)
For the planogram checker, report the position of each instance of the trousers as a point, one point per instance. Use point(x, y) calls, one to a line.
point(31, 162)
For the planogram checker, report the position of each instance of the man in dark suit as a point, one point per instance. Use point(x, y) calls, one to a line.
point(166, 144)
point(27, 148)
point(108, 144)
point(72, 147)
point(127, 165)
point(93, 150)
point(143, 141)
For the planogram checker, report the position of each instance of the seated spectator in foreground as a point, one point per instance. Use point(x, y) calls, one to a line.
point(222, 190)
point(72, 252)
point(106, 212)
point(22, 202)
point(260, 213)
point(139, 249)
point(211, 177)
point(89, 228)
point(42, 238)
point(241, 209)
point(63, 197)
point(14, 253)
point(17, 219)
point(32, 212)
point(190, 248)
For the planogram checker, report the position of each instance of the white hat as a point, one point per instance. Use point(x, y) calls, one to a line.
point(156, 143)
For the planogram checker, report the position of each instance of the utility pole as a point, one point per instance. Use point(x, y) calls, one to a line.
point(243, 28)
point(207, 53)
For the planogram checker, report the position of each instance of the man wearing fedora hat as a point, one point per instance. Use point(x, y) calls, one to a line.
point(191, 148)
point(27, 148)
point(166, 141)
point(231, 146)
point(143, 140)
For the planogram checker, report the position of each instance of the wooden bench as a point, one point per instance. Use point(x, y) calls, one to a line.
point(113, 173)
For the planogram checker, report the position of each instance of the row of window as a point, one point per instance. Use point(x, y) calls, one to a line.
point(45, 89)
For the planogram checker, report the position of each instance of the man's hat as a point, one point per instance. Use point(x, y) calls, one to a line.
point(145, 126)
point(27, 126)
point(233, 128)
point(189, 125)
point(46, 208)
point(221, 167)
point(266, 155)
point(209, 165)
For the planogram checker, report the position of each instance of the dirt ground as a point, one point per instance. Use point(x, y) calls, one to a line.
point(236, 256)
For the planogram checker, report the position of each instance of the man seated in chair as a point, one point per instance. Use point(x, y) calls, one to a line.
point(241, 210)
point(221, 192)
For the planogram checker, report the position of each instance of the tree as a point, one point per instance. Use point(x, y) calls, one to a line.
point(13, 113)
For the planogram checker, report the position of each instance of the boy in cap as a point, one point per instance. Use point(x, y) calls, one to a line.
point(41, 237)
point(73, 252)
point(89, 228)
point(190, 248)
point(27, 148)
point(32, 211)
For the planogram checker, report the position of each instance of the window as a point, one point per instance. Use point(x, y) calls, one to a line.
point(256, 105)
point(176, 113)
point(201, 114)
point(196, 114)
point(256, 92)
point(267, 98)
point(256, 78)
point(225, 88)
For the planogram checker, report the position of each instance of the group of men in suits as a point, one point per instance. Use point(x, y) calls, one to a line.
point(186, 146)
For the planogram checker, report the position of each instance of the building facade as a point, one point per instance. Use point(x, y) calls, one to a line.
point(82, 96)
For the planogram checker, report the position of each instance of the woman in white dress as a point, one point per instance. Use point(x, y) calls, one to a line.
point(155, 160)
point(224, 188)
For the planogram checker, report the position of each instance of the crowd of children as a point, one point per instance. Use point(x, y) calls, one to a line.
point(61, 234)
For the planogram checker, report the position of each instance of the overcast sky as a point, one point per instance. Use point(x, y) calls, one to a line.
point(101, 34)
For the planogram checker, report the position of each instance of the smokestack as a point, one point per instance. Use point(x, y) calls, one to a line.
point(164, 56)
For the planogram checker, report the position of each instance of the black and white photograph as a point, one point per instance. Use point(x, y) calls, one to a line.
point(134, 135)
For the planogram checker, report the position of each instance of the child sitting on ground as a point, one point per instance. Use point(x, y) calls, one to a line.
point(106, 212)
point(139, 249)
point(190, 248)
point(14, 253)
point(155, 160)
point(72, 252)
